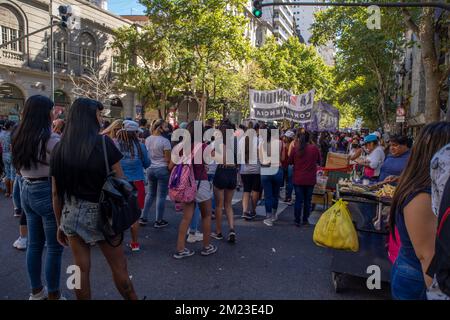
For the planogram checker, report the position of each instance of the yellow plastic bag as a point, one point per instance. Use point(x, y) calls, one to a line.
point(335, 229)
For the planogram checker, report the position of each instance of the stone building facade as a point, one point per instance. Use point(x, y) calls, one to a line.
point(25, 65)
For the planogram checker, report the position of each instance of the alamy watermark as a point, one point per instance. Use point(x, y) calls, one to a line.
point(235, 147)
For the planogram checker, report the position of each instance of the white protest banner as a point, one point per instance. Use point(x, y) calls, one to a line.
point(281, 104)
point(300, 107)
point(268, 105)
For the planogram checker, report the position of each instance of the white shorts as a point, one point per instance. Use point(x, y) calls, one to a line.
point(204, 191)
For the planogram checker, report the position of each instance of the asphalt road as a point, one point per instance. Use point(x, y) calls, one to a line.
point(281, 262)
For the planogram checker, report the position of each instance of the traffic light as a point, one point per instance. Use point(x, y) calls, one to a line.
point(64, 13)
point(257, 8)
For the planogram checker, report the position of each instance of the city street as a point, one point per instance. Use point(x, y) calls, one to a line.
point(266, 263)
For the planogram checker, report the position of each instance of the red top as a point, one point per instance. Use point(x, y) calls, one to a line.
point(305, 166)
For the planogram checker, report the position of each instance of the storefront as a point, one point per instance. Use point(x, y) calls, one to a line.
point(11, 102)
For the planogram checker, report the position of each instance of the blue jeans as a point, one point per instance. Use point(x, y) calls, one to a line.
point(158, 184)
point(16, 192)
point(37, 205)
point(10, 171)
point(195, 219)
point(303, 198)
point(288, 172)
point(271, 186)
point(407, 282)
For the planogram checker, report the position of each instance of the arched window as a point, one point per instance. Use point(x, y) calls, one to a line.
point(88, 52)
point(11, 101)
point(11, 27)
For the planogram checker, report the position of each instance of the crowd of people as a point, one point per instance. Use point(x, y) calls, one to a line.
point(54, 171)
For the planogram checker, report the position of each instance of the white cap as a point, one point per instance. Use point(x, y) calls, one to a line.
point(290, 134)
point(133, 126)
point(377, 134)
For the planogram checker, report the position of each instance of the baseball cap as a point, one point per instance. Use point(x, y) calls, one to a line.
point(370, 138)
point(129, 125)
point(290, 134)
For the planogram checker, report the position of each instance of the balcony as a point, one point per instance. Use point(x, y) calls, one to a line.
point(13, 55)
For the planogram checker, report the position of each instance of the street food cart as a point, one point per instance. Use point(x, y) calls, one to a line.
point(368, 212)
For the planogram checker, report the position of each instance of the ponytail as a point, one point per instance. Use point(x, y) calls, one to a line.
point(303, 140)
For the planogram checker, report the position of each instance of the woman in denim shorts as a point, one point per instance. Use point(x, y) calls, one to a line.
point(78, 174)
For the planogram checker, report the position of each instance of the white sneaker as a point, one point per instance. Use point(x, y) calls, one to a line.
point(20, 244)
point(43, 295)
point(268, 222)
point(197, 237)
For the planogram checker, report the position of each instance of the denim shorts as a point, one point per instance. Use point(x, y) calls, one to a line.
point(82, 218)
point(407, 282)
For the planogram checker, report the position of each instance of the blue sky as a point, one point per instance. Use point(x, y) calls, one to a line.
point(125, 7)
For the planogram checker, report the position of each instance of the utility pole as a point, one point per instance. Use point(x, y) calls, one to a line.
point(52, 58)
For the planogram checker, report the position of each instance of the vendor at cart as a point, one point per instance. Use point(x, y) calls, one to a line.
point(396, 160)
point(375, 158)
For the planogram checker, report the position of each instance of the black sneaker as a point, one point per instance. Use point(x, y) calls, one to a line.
point(143, 222)
point(232, 236)
point(160, 224)
point(297, 224)
point(245, 215)
point(184, 254)
point(217, 236)
point(209, 250)
point(17, 213)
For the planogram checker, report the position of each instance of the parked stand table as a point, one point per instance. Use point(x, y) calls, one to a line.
point(365, 209)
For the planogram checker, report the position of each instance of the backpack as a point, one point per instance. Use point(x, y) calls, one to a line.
point(440, 265)
point(182, 186)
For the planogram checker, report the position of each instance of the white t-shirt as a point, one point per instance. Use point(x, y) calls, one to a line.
point(42, 169)
point(156, 145)
point(376, 159)
point(251, 168)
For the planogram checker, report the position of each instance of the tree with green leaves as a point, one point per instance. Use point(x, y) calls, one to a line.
point(295, 66)
point(365, 58)
point(208, 35)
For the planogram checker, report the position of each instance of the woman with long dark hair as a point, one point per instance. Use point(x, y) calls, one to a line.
point(135, 161)
point(79, 173)
point(225, 182)
point(305, 158)
point(32, 145)
point(202, 199)
point(271, 171)
point(412, 214)
point(250, 172)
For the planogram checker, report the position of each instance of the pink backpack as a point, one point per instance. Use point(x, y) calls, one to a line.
point(182, 186)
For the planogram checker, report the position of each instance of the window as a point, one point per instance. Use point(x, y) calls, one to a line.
point(60, 49)
point(88, 51)
point(87, 58)
point(9, 34)
point(118, 67)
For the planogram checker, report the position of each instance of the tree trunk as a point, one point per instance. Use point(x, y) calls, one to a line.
point(431, 66)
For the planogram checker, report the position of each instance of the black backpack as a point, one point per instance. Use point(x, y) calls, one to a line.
point(440, 265)
point(119, 208)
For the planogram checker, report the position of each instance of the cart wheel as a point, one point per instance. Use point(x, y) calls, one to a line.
point(337, 281)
